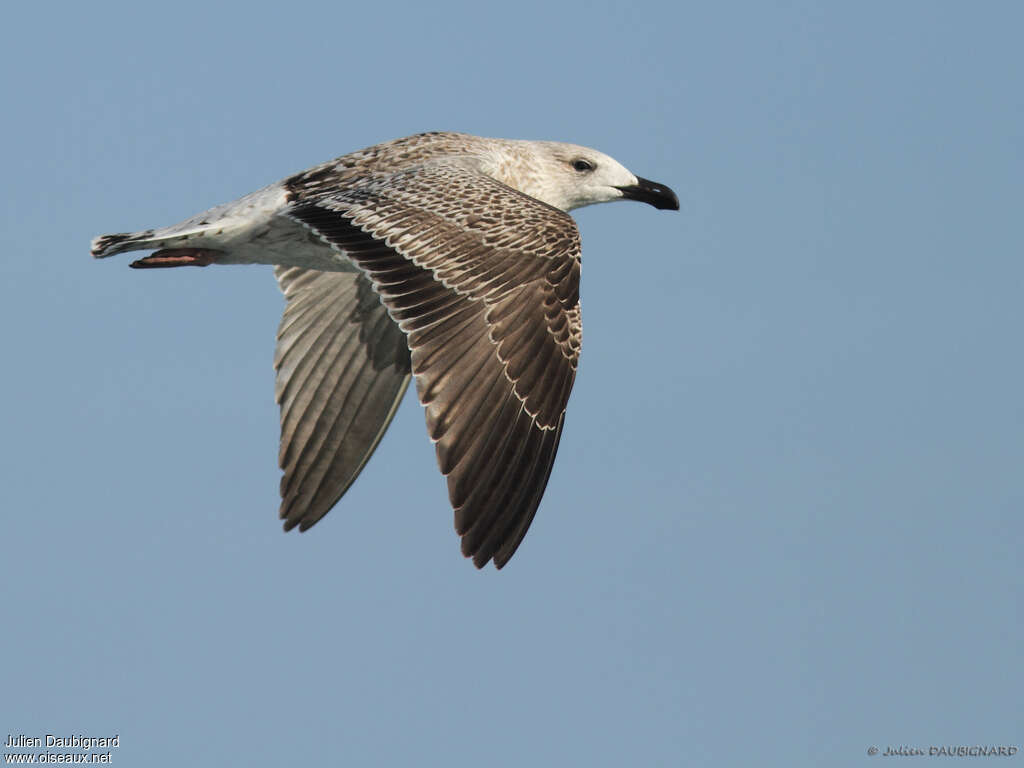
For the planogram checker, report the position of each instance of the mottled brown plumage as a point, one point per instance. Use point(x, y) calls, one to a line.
point(342, 368)
point(491, 313)
point(442, 256)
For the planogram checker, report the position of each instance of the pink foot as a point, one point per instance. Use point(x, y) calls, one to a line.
point(177, 257)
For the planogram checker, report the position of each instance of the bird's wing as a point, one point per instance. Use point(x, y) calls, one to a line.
point(342, 368)
point(484, 281)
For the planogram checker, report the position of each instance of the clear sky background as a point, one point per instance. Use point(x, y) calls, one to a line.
point(785, 522)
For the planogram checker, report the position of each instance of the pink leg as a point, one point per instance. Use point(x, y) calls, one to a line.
point(178, 257)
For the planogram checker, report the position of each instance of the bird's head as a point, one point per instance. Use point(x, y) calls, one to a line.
point(569, 176)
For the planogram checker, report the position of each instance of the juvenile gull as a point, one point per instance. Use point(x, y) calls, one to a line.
point(442, 256)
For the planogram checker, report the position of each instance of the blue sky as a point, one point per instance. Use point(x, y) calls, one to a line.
point(785, 520)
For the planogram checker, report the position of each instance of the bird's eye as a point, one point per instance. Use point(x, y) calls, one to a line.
point(582, 165)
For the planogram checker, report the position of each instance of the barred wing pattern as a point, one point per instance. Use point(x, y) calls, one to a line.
point(342, 368)
point(484, 282)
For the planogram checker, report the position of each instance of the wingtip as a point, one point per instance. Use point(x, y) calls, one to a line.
point(288, 522)
point(479, 562)
point(484, 556)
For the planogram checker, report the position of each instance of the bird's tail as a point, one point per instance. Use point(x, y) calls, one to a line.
point(108, 245)
point(180, 235)
point(146, 240)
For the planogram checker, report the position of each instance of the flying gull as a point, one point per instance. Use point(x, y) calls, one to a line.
point(442, 256)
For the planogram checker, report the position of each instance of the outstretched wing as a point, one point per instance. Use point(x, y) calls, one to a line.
point(342, 368)
point(484, 281)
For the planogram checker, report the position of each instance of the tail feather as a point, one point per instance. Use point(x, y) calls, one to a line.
point(207, 230)
point(108, 245)
point(148, 239)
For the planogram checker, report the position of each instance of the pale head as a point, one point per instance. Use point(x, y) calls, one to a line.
point(569, 176)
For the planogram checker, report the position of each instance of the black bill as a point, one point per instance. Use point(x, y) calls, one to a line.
point(651, 192)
